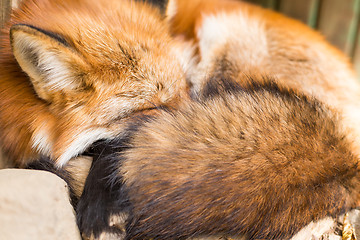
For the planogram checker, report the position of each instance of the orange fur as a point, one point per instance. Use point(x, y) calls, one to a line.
point(118, 58)
point(263, 162)
point(251, 39)
point(221, 167)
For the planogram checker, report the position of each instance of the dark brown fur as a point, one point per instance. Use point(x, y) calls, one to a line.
point(263, 161)
point(253, 39)
point(69, 68)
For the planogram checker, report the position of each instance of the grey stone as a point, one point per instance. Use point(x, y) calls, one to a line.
point(34, 205)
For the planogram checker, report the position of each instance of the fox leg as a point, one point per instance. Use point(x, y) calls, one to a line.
point(103, 209)
point(95, 190)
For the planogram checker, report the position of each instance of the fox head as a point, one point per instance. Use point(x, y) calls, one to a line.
point(95, 69)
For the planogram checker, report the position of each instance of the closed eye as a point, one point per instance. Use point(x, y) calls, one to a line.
point(136, 112)
point(127, 95)
point(159, 86)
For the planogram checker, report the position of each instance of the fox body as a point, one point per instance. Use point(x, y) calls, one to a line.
point(70, 69)
point(246, 157)
point(260, 161)
point(235, 38)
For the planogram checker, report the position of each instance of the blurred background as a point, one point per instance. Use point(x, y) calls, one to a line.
point(337, 20)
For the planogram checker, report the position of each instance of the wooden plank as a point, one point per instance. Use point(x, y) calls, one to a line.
point(335, 22)
point(356, 54)
point(273, 4)
point(356, 61)
point(303, 10)
point(298, 9)
point(5, 8)
point(353, 30)
point(313, 16)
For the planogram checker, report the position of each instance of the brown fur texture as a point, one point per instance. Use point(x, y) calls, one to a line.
point(263, 161)
point(87, 63)
point(258, 160)
point(238, 38)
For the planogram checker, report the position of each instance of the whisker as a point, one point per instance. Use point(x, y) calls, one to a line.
point(171, 84)
point(155, 106)
point(126, 94)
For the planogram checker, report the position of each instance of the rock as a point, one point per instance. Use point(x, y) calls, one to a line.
point(324, 229)
point(34, 205)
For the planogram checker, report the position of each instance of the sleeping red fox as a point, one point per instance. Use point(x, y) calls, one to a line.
point(70, 69)
point(259, 161)
point(248, 158)
point(254, 158)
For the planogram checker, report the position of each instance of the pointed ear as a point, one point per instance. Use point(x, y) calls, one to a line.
point(47, 58)
point(171, 9)
point(161, 4)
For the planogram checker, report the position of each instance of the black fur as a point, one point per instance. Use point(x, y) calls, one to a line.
point(53, 35)
point(161, 4)
point(104, 194)
point(102, 189)
point(218, 86)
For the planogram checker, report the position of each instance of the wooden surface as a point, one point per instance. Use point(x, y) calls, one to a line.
point(303, 10)
point(4, 10)
point(337, 20)
point(273, 4)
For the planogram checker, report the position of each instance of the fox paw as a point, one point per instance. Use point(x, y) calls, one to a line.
point(100, 217)
point(98, 228)
point(104, 236)
point(103, 208)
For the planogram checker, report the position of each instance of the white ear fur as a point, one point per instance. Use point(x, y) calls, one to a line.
point(171, 9)
point(46, 58)
point(79, 143)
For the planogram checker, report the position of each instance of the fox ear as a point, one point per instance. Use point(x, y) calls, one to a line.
point(161, 4)
point(47, 59)
point(171, 8)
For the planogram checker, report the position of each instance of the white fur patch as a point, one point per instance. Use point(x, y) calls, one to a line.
point(81, 142)
point(119, 220)
point(43, 64)
point(58, 76)
point(235, 28)
point(350, 120)
point(41, 141)
point(185, 54)
point(241, 38)
point(171, 9)
point(110, 236)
